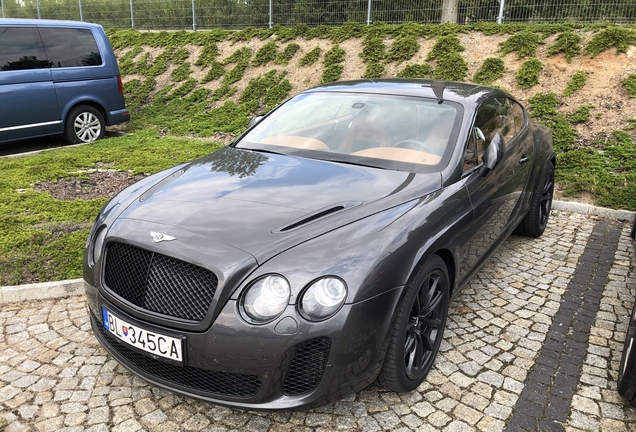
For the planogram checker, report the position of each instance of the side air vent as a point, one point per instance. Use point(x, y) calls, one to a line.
point(313, 217)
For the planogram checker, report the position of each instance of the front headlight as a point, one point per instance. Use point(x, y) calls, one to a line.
point(95, 251)
point(266, 298)
point(323, 298)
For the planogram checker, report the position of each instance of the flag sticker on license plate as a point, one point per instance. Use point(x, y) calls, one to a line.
point(152, 342)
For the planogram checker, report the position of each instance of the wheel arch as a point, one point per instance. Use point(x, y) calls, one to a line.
point(90, 103)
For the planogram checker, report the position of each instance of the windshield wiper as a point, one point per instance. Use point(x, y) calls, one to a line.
point(260, 150)
point(348, 162)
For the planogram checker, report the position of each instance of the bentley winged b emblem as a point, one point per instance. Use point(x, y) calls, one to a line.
point(159, 237)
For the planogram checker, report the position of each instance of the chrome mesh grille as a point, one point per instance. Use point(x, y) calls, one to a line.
point(307, 367)
point(159, 283)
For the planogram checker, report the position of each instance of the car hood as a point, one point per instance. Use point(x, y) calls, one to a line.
point(265, 203)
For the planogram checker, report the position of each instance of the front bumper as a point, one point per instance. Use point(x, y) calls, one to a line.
point(286, 364)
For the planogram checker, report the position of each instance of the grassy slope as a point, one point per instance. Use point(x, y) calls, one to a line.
point(209, 84)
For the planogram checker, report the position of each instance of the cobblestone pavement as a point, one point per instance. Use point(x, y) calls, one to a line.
point(532, 343)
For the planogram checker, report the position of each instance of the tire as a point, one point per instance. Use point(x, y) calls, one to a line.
point(536, 220)
point(627, 370)
point(84, 124)
point(416, 336)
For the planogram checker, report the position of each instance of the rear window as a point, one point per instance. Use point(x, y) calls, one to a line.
point(69, 47)
point(21, 48)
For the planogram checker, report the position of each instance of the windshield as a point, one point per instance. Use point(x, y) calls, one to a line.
point(394, 132)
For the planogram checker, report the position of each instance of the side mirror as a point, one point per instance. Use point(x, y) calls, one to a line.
point(255, 121)
point(493, 155)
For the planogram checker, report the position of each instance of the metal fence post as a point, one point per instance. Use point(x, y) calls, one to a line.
point(369, 6)
point(2, 4)
point(194, 15)
point(132, 15)
point(271, 13)
point(37, 3)
point(81, 12)
point(501, 11)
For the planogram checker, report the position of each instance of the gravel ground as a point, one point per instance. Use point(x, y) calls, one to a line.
point(532, 343)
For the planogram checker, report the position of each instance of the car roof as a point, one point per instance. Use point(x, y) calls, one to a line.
point(448, 90)
point(46, 23)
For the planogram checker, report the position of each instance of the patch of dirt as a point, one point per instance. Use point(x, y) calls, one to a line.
point(99, 184)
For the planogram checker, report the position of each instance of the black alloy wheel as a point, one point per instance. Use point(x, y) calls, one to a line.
point(418, 328)
point(536, 220)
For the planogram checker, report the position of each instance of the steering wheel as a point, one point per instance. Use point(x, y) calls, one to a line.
point(409, 143)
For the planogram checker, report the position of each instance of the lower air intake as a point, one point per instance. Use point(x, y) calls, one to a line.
point(307, 367)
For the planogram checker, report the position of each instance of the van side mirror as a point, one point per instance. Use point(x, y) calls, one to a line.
point(493, 155)
point(255, 120)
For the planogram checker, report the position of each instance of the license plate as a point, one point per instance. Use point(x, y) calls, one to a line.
point(152, 342)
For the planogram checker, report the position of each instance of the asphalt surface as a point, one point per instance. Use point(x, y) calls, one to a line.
point(532, 343)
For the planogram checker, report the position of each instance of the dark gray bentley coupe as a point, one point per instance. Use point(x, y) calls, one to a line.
point(317, 252)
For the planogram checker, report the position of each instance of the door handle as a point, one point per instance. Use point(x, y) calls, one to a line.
point(523, 159)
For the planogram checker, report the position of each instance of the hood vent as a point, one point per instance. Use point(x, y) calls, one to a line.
point(312, 218)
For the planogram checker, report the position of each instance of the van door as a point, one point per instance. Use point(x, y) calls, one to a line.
point(28, 103)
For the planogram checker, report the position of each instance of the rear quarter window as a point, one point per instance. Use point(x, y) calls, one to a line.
point(21, 48)
point(69, 47)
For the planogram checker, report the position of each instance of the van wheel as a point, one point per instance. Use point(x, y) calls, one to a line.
point(84, 124)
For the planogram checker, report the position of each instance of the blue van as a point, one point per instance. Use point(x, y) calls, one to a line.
point(57, 77)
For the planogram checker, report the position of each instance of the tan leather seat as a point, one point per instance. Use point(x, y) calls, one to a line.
point(367, 129)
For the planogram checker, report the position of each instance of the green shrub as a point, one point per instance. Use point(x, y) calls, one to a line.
point(264, 93)
point(543, 105)
point(445, 45)
point(182, 72)
point(528, 74)
point(185, 88)
point(286, 55)
point(334, 55)
point(415, 71)
point(568, 43)
point(581, 115)
point(630, 85)
point(266, 54)
point(141, 67)
point(374, 70)
point(310, 58)
point(373, 50)
point(491, 69)
point(215, 72)
point(126, 65)
point(524, 44)
point(332, 73)
point(180, 55)
point(208, 55)
point(619, 37)
point(450, 66)
point(577, 82)
point(241, 55)
point(403, 49)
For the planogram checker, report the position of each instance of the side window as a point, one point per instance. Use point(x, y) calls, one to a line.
point(488, 123)
point(508, 130)
point(518, 115)
point(68, 47)
point(21, 48)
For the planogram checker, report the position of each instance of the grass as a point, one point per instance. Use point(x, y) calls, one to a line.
point(42, 238)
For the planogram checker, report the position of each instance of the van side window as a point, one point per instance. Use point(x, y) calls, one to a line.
point(69, 47)
point(21, 48)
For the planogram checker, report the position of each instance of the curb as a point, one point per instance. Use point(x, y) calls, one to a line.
point(74, 287)
point(41, 291)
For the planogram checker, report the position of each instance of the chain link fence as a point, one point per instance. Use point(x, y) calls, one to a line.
point(237, 14)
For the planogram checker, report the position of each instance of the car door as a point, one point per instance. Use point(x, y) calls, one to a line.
point(29, 103)
point(496, 196)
